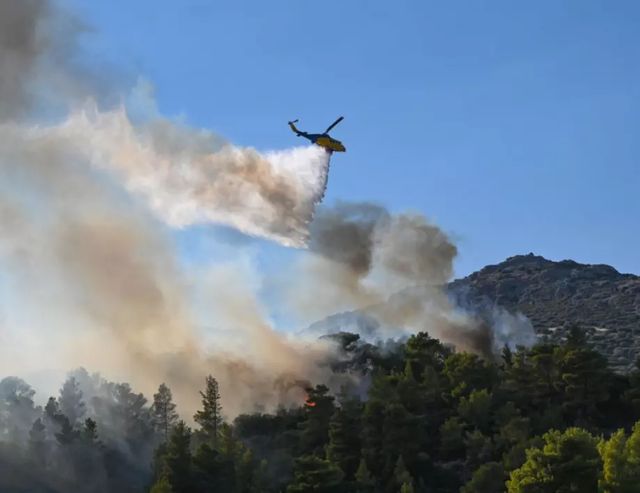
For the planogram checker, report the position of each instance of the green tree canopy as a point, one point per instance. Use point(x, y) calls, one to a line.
point(567, 462)
point(488, 478)
point(177, 459)
point(315, 475)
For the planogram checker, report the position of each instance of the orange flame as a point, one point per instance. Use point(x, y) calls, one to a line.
point(308, 402)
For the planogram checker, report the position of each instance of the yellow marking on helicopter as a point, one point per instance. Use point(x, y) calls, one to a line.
point(331, 144)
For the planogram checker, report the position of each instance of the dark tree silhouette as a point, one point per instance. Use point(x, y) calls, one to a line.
point(163, 411)
point(210, 416)
point(70, 400)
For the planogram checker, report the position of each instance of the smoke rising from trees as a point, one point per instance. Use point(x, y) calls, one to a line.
point(393, 267)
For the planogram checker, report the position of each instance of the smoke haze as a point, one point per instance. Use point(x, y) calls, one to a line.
point(88, 206)
point(95, 278)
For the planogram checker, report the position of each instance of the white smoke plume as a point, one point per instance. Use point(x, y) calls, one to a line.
point(189, 176)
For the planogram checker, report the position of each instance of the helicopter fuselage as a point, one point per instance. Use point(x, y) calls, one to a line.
point(325, 140)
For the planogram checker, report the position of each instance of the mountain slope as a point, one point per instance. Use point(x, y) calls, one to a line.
point(555, 294)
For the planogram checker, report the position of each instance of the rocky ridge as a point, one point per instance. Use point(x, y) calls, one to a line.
point(554, 295)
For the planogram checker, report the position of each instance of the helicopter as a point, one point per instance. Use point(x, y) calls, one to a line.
point(323, 139)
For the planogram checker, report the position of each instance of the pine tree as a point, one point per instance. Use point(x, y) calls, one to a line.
point(401, 475)
point(479, 449)
point(488, 478)
point(621, 462)
point(373, 419)
point(259, 483)
point(422, 351)
point(545, 378)
point(584, 378)
point(451, 438)
point(245, 471)
point(632, 394)
point(632, 457)
point(507, 356)
point(17, 411)
point(315, 475)
point(344, 437)
point(162, 485)
point(228, 445)
point(71, 403)
point(90, 431)
point(52, 407)
point(87, 453)
point(37, 445)
point(568, 461)
point(213, 471)
point(67, 434)
point(319, 409)
point(132, 413)
point(52, 418)
point(475, 409)
point(210, 417)
point(403, 435)
point(517, 379)
point(467, 372)
point(163, 411)
point(177, 459)
point(407, 488)
point(51, 410)
point(613, 456)
point(363, 477)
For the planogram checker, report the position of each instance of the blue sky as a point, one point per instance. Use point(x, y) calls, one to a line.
point(514, 126)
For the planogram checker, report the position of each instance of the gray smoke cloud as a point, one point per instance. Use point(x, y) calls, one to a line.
point(393, 268)
point(22, 46)
point(364, 237)
point(38, 66)
point(345, 234)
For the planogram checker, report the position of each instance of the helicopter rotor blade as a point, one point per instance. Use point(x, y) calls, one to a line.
point(334, 124)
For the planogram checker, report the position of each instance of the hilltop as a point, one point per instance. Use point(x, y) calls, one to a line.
point(554, 295)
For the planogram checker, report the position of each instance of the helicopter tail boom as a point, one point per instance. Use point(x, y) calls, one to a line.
point(293, 127)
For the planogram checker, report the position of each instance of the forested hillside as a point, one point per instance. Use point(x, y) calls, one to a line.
point(423, 418)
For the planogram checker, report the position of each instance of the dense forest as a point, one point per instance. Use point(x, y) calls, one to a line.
point(549, 418)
